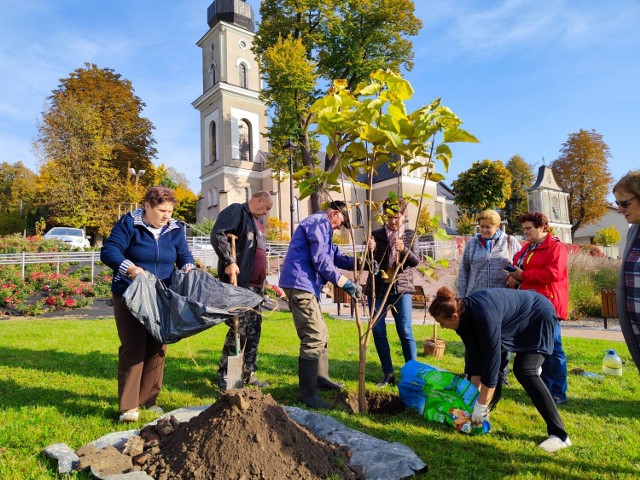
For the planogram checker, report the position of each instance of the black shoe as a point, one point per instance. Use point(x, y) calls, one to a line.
point(315, 402)
point(254, 382)
point(222, 383)
point(388, 378)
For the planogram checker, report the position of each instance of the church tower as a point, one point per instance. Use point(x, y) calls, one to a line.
point(545, 196)
point(232, 116)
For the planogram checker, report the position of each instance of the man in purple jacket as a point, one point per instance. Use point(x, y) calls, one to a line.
point(313, 260)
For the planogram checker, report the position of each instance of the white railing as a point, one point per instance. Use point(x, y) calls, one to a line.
point(203, 252)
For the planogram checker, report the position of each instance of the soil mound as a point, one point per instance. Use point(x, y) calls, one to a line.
point(246, 435)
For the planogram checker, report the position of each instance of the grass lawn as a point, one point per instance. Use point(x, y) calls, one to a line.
point(58, 384)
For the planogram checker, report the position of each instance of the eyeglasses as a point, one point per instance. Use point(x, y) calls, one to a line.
point(625, 203)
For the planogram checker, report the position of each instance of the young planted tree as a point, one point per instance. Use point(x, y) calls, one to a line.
point(521, 178)
point(582, 171)
point(91, 134)
point(370, 126)
point(304, 44)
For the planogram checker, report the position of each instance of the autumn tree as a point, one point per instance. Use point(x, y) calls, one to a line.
point(185, 208)
point(91, 134)
point(17, 198)
point(303, 45)
point(487, 184)
point(582, 172)
point(607, 236)
point(521, 178)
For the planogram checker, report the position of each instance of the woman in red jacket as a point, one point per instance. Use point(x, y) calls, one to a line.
point(542, 266)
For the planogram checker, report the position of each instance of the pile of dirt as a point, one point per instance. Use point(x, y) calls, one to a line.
point(245, 434)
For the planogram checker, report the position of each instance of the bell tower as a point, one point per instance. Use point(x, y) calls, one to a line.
point(545, 196)
point(232, 116)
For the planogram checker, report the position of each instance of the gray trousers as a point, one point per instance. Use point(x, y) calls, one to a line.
point(309, 322)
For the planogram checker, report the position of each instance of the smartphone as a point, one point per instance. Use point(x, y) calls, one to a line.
point(510, 268)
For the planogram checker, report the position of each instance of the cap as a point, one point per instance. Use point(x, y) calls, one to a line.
point(342, 207)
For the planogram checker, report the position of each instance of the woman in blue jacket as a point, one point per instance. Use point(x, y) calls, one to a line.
point(147, 239)
point(519, 321)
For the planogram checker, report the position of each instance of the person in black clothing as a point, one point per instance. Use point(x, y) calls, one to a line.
point(249, 267)
point(519, 321)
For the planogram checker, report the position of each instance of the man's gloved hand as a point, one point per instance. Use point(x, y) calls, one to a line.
point(352, 289)
point(480, 413)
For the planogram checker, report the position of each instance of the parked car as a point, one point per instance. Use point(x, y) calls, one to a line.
point(74, 237)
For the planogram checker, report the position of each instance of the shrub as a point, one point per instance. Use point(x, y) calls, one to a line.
point(588, 275)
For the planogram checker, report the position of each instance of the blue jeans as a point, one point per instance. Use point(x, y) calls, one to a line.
point(554, 368)
point(401, 310)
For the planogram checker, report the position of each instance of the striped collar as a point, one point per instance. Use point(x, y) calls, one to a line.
point(138, 221)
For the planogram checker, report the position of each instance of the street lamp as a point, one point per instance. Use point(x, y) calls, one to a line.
point(136, 174)
point(289, 145)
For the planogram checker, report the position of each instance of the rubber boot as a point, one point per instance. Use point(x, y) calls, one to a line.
point(324, 382)
point(308, 378)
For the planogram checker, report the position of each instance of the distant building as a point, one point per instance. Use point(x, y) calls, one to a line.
point(586, 234)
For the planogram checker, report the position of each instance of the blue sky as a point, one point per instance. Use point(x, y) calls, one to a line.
point(522, 74)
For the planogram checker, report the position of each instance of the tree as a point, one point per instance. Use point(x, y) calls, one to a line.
point(305, 44)
point(487, 184)
point(185, 208)
point(365, 129)
point(521, 178)
point(583, 173)
point(90, 135)
point(465, 223)
point(607, 236)
point(17, 197)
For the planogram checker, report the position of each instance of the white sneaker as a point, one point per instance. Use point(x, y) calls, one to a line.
point(553, 444)
point(129, 416)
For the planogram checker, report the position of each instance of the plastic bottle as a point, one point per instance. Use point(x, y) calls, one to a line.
point(611, 363)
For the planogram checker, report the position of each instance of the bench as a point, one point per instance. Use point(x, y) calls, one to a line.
point(609, 305)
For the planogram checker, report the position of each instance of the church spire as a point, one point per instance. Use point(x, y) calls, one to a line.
point(237, 12)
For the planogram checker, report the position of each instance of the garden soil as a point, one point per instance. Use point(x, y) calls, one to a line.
point(246, 435)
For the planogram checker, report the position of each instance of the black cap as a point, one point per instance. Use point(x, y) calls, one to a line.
point(342, 207)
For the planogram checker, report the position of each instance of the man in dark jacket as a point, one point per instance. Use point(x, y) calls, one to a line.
point(249, 267)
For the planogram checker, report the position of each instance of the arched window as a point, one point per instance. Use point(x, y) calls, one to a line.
point(216, 197)
point(212, 143)
point(212, 73)
point(359, 219)
point(244, 140)
point(247, 193)
point(244, 82)
point(209, 198)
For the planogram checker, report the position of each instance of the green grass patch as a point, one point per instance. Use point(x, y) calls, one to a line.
point(58, 384)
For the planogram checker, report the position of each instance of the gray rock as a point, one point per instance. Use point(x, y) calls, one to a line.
point(121, 476)
point(67, 458)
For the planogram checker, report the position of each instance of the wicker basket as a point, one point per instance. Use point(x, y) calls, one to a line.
point(434, 347)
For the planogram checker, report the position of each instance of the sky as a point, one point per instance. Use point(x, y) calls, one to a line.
point(521, 74)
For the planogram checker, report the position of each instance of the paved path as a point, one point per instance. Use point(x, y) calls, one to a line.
point(612, 333)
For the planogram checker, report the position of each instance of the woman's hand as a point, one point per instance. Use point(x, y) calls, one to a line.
point(516, 274)
point(133, 271)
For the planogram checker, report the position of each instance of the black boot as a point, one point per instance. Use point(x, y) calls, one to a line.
point(308, 378)
point(324, 382)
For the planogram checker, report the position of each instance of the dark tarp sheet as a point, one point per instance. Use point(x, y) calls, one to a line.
point(194, 302)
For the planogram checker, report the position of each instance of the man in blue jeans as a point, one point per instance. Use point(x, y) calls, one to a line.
point(394, 248)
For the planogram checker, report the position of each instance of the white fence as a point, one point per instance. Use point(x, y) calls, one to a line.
point(204, 253)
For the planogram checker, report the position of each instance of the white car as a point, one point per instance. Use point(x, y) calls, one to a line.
point(74, 237)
